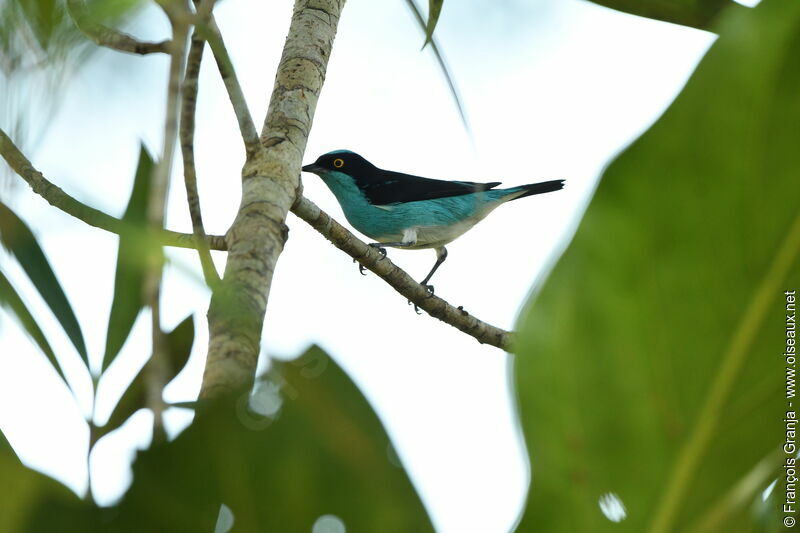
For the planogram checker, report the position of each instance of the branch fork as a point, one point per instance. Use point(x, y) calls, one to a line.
point(271, 187)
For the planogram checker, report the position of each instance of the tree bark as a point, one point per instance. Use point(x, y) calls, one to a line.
point(270, 180)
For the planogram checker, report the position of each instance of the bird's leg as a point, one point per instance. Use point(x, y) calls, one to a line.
point(441, 255)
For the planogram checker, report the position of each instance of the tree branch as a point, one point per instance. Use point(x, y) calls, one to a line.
point(59, 199)
point(188, 107)
point(398, 278)
point(114, 39)
point(157, 368)
point(270, 179)
point(210, 31)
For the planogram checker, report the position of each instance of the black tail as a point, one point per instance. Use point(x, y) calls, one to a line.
point(539, 188)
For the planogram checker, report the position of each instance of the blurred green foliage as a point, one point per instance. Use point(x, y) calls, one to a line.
point(22, 490)
point(40, 49)
point(179, 344)
point(19, 241)
point(135, 247)
point(649, 365)
point(317, 449)
point(41, 33)
point(33, 31)
point(13, 302)
point(306, 444)
point(695, 13)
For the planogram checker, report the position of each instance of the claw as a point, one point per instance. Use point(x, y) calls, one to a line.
point(463, 311)
point(360, 267)
point(429, 288)
point(416, 307)
point(380, 248)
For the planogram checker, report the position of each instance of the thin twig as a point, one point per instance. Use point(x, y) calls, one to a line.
point(114, 39)
point(158, 365)
point(203, 8)
point(188, 107)
point(210, 32)
point(398, 278)
point(59, 199)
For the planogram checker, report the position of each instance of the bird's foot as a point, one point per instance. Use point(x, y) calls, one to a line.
point(463, 311)
point(380, 248)
point(428, 288)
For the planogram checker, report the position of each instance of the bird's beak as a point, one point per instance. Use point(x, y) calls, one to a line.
point(313, 167)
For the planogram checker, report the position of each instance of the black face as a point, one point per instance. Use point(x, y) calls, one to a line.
point(348, 162)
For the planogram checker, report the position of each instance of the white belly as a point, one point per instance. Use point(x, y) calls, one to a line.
point(435, 236)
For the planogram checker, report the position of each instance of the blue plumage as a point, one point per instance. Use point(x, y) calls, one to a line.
point(405, 211)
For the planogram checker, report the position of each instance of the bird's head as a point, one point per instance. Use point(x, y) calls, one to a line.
point(341, 162)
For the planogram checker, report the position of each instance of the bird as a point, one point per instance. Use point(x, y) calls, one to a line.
point(411, 212)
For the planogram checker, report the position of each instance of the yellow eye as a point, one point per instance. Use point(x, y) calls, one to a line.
point(338, 163)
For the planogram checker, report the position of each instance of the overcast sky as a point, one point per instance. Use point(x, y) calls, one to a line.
point(553, 89)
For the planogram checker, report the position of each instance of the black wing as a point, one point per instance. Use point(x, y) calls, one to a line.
point(385, 187)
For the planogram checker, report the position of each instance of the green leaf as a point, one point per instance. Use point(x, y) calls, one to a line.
point(179, 346)
point(650, 364)
point(18, 240)
point(43, 16)
point(28, 499)
point(133, 399)
point(699, 14)
point(434, 10)
point(53, 30)
point(324, 452)
point(451, 84)
point(135, 246)
point(12, 301)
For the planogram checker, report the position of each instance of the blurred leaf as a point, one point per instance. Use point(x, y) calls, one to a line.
point(699, 14)
point(28, 499)
point(112, 12)
point(135, 247)
point(40, 49)
point(43, 16)
point(41, 32)
point(12, 301)
point(30, 29)
point(18, 240)
point(451, 84)
point(133, 399)
point(323, 452)
point(434, 10)
point(179, 343)
point(649, 366)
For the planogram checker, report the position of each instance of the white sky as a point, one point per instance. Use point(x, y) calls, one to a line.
point(553, 89)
